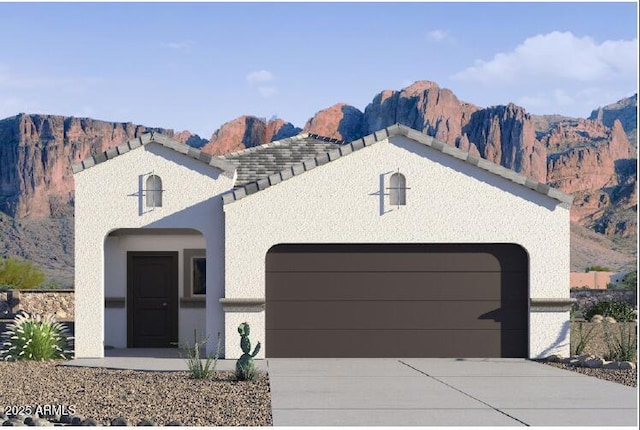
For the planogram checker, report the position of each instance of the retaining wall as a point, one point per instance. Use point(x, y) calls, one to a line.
point(59, 303)
point(588, 297)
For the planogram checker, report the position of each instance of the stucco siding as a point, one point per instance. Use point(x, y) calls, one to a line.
point(108, 197)
point(449, 201)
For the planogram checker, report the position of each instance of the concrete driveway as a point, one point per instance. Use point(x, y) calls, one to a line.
point(443, 392)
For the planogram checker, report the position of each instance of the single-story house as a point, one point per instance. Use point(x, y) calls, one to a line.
point(394, 245)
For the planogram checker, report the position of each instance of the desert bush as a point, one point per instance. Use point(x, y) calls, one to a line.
point(622, 345)
point(621, 311)
point(597, 269)
point(20, 274)
point(35, 337)
point(578, 345)
point(629, 282)
point(197, 369)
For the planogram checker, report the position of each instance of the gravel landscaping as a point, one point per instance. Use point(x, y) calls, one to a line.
point(159, 397)
point(597, 346)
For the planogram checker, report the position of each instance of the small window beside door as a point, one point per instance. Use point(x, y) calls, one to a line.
point(195, 278)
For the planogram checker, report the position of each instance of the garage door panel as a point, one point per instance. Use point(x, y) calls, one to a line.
point(397, 257)
point(396, 315)
point(399, 286)
point(394, 343)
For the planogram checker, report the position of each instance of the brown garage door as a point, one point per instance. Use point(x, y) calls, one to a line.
point(397, 300)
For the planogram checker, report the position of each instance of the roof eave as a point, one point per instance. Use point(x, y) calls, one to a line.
point(160, 139)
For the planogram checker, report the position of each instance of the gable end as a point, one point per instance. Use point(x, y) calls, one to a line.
point(396, 130)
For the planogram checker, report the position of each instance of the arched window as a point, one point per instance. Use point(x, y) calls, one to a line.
point(154, 191)
point(398, 190)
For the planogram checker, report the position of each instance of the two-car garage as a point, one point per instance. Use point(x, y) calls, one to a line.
point(397, 300)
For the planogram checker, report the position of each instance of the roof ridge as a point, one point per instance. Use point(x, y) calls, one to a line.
point(280, 142)
point(265, 145)
point(396, 129)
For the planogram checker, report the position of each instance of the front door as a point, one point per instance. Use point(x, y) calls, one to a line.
point(152, 299)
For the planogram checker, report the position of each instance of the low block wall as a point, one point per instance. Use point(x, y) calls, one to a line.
point(586, 297)
point(59, 303)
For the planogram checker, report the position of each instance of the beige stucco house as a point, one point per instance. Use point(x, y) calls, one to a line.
point(394, 245)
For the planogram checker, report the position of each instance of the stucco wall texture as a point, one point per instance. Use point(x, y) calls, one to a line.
point(108, 198)
point(449, 201)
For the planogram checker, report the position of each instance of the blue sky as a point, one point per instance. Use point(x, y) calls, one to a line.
point(196, 66)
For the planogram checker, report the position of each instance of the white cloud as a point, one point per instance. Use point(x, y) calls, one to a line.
point(267, 92)
point(557, 55)
point(259, 76)
point(184, 47)
point(438, 35)
point(577, 101)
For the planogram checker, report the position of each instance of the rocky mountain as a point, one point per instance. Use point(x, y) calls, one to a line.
point(625, 111)
point(36, 152)
point(246, 132)
point(590, 158)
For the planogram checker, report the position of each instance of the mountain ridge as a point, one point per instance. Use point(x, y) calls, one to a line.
point(587, 157)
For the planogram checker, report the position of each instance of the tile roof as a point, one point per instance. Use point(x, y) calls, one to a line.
point(261, 161)
point(266, 165)
point(160, 139)
point(251, 181)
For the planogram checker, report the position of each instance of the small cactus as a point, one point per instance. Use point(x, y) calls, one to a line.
point(245, 367)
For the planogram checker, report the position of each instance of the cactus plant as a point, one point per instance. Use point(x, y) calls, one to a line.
point(245, 367)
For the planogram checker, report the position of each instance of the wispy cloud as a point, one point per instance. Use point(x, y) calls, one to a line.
point(557, 55)
point(184, 47)
point(439, 35)
point(259, 76)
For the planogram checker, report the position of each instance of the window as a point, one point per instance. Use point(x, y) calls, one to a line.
point(198, 276)
point(398, 190)
point(154, 191)
point(194, 276)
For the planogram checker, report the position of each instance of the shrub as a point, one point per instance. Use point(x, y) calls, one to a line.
point(245, 368)
point(597, 269)
point(194, 361)
point(630, 281)
point(623, 345)
point(20, 274)
point(34, 337)
point(621, 311)
point(578, 345)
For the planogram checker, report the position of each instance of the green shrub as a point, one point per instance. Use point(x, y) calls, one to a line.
point(623, 345)
point(598, 269)
point(194, 361)
point(34, 337)
point(621, 311)
point(630, 281)
point(20, 274)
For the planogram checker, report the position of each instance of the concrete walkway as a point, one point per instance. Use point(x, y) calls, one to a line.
point(443, 392)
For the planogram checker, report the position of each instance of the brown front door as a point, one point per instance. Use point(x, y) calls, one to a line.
point(397, 300)
point(152, 299)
